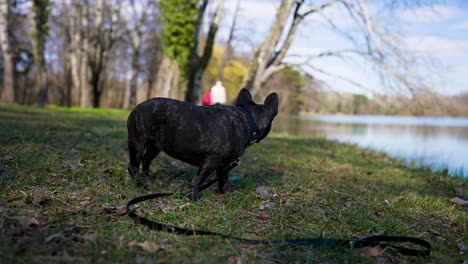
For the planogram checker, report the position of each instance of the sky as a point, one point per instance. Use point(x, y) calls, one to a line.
point(437, 32)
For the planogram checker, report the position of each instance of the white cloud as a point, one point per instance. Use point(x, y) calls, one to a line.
point(435, 45)
point(461, 26)
point(426, 14)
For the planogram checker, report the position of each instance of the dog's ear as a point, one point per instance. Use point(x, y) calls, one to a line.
point(244, 97)
point(272, 102)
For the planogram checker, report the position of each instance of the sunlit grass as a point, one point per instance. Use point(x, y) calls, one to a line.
point(322, 188)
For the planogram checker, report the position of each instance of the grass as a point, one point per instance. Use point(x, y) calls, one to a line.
point(323, 188)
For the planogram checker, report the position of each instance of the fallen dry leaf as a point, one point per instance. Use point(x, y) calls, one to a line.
point(285, 201)
point(28, 221)
point(39, 195)
point(433, 232)
point(120, 210)
point(372, 251)
point(460, 191)
point(85, 238)
point(263, 216)
point(81, 206)
point(7, 157)
point(168, 206)
point(234, 260)
point(459, 201)
point(184, 205)
point(265, 205)
point(148, 246)
point(264, 192)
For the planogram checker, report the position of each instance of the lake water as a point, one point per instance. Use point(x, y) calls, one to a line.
point(437, 142)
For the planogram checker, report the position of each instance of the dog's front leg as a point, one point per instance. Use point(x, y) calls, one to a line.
point(222, 174)
point(203, 172)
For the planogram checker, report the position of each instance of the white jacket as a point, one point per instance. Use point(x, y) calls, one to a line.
point(218, 94)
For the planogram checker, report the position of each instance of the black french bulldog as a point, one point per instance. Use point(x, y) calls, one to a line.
point(210, 137)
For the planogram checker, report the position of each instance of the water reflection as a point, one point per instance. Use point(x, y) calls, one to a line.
point(440, 143)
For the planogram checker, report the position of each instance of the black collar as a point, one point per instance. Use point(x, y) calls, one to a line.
point(254, 132)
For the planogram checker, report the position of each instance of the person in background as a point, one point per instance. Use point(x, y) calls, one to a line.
point(206, 100)
point(218, 94)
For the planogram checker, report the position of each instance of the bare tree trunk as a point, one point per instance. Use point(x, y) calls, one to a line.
point(133, 81)
point(8, 91)
point(228, 51)
point(167, 77)
point(102, 41)
point(67, 74)
point(96, 61)
point(85, 99)
point(150, 87)
point(39, 22)
point(253, 80)
point(75, 48)
point(197, 64)
point(153, 56)
point(136, 35)
point(67, 81)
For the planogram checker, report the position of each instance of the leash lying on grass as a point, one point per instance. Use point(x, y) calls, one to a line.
point(371, 241)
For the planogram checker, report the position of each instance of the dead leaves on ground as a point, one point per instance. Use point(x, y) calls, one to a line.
point(460, 201)
point(372, 251)
point(7, 157)
point(271, 198)
point(28, 221)
point(39, 195)
point(150, 246)
point(168, 206)
point(117, 209)
point(31, 221)
point(80, 207)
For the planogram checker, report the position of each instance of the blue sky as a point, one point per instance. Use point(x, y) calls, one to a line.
point(437, 32)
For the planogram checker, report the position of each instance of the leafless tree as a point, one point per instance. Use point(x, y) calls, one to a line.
point(8, 91)
point(228, 50)
point(197, 63)
point(40, 15)
point(103, 35)
point(376, 45)
point(153, 54)
point(76, 54)
point(135, 32)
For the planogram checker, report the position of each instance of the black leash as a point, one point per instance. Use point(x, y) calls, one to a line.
point(371, 241)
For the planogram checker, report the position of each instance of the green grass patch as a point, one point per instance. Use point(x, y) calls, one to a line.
point(319, 188)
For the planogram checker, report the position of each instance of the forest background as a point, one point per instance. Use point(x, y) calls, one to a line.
point(115, 54)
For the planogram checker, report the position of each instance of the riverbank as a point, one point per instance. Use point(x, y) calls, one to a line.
point(435, 142)
point(64, 173)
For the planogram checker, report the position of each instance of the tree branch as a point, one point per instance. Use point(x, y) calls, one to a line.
point(208, 49)
point(354, 83)
point(297, 18)
point(335, 53)
point(363, 21)
point(318, 8)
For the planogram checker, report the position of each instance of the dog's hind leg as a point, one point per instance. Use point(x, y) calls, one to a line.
point(135, 151)
point(151, 152)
